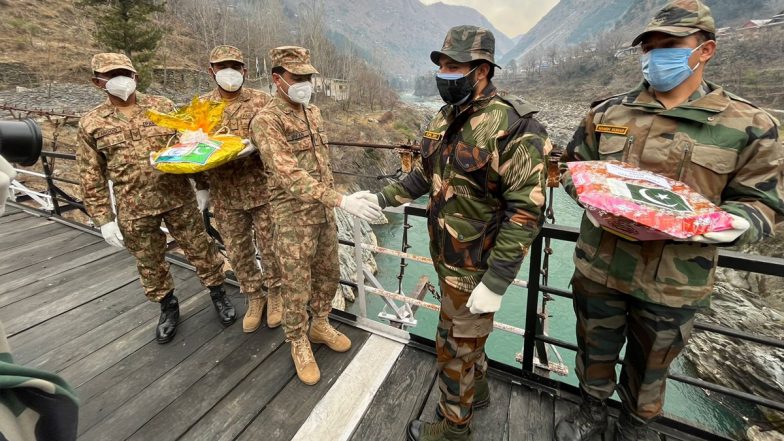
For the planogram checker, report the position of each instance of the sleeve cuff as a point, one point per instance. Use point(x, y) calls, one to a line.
point(331, 198)
point(102, 220)
point(495, 282)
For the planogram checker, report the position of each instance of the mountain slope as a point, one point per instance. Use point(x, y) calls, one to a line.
point(572, 22)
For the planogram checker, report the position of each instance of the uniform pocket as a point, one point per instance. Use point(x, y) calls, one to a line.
point(612, 146)
point(684, 264)
point(472, 327)
point(111, 147)
point(463, 242)
point(470, 158)
point(709, 169)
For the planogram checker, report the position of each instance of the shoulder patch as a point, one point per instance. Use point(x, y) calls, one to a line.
point(522, 107)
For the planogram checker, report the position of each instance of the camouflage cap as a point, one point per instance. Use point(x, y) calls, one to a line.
point(467, 43)
point(680, 18)
point(108, 61)
point(292, 58)
point(225, 53)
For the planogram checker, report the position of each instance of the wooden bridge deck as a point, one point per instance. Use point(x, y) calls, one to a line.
point(73, 305)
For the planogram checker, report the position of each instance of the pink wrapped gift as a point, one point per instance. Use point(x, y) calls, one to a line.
point(639, 205)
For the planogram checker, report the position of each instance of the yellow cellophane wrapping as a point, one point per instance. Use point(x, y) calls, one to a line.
point(199, 116)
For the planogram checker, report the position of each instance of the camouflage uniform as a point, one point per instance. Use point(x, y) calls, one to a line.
point(484, 171)
point(721, 146)
point(294, 149)
point(115, 147)
point(240, 195)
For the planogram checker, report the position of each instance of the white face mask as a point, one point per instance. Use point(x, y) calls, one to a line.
point(121, 87)
point(229, 79)
point(299, 92)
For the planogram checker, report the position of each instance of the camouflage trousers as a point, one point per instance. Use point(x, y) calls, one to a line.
point(237, 228)
point(460, 351)
point(145, 240)
point(656, 335)
point(310, 272)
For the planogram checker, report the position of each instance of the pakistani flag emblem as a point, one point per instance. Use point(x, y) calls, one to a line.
point(659, 197)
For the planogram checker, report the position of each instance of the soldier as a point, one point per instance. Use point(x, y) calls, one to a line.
point(680, 126)
point(483, 166)
point(240, 194)
point(115, 142)
point(290, 134)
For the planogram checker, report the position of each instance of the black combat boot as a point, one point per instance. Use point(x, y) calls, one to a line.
point(589, 420)
point(170, 316)
point(443, 430)
point(222, 305)
point(631, 428)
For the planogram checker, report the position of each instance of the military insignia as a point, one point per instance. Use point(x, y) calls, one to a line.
point(106, 132)
point(435, 136)
point(148, 124)
point(614, 130)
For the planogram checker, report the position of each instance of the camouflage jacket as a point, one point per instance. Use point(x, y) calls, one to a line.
point(34, 405)
point(240, 184)
point(294, 150)
point(718, 144)
point(484, 171)
point(115, 147)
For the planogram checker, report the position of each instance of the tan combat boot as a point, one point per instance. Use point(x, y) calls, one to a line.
point(252, 319)
point(322, 332)
point(307, 369)
point(274, 308)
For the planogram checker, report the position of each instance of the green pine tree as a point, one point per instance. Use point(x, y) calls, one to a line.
point(126, 26)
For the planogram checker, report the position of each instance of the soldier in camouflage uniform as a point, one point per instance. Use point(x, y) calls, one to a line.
point(483, 167)
point(677, 125)
point(115, 142)
point(290, 134)
point(240, 195)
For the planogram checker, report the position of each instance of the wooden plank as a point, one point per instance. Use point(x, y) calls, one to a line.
point(399, 399)
point(11, 217)
point(173, 421)
point(40, 248)
point(122, 339)
point(73, 277)
point(490, 423)
point(21, 224)
point(9, 209)
point(236, 410)
point(283, 416)
point(28, 235)
point(340, 410)
point(33, 271)
point(90, 285)
point(109, 390)
point(137, 411)
point(434, 395)
point(530, 415)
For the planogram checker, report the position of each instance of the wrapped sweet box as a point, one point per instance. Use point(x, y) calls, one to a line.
point(639, 205)
point(202, 143)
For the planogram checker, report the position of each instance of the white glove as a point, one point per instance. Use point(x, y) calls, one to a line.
point(368, 196)
point(111, 234)
point(591, 219)
point(739, 226)
point(202, 199)
point(360, 207)
point(248, 150)
point(483, 300)
point(7, 174)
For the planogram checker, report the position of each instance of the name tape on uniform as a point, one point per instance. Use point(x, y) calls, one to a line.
point(614, 130)
point(433, 135)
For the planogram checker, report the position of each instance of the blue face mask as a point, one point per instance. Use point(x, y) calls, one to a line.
point(666, 68)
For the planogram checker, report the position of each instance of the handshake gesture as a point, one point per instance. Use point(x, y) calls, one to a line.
point(363, 205)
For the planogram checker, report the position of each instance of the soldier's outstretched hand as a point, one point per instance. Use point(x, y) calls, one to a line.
point(739, 226)
point(361, 207)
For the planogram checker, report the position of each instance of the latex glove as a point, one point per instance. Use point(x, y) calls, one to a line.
point(202, 199)
point(7, 174)
point(111, 234)
point(248, 150)
point(739, 226)
point(360, 207)
point(591, 219)
point(483, 300)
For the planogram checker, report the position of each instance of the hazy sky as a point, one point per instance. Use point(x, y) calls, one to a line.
point(512, 17)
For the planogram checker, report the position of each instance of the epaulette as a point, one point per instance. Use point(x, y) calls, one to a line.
point(522, 107)
point(601, 100)
point(734, 97)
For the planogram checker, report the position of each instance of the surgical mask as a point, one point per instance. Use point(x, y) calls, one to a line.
point(299, 92)
point(122, 87)
point(455, 89)
point(666, 68)
point(229, 79)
